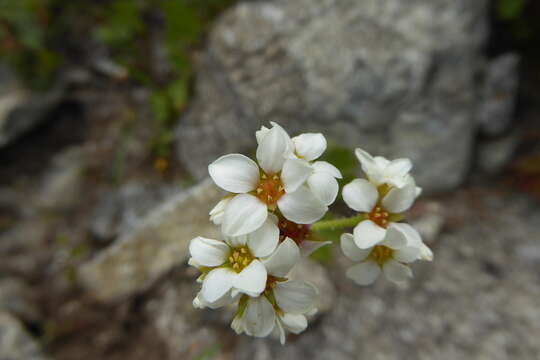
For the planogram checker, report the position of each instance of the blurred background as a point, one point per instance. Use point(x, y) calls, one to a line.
point(111, 110)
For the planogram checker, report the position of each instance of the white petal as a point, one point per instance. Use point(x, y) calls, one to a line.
point(236, 241)
point(368, 234)
point(272, 150)
point(394, 238)
point(235, 173)
point(301, 206)
point(251, 280)
point(400, 199)
point(309, 146)
point(308, 247)
point(350, 249)
point(216, 214)
point(295, 173)
point(217, 284)
point(244, 213)
point(259, 317)
point(283, 259)
point(396, 172)
point(396, 272)
point(260, 134)
point(208, 252)
point(369, 165)
point(295, 323)
point(324, 186)
point(360, 195)
point(297, 297)
point(263, 241)
point(414, 239)
point(406, 254)
point(364, 273)
point(323, 166)
point(200, 303)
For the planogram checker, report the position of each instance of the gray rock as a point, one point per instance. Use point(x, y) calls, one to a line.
point(121, 209)
point(478, 299)
point(63, 183)
point(499, 94)
point(186, 331)
point(19, 109)
point(398, 78)
point(15, 343)
point(155, 246)
point(16, 298)
point(494, 153)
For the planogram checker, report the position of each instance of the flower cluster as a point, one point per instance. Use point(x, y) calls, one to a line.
point(265, 225)
point(269, 220)
point(380, 243)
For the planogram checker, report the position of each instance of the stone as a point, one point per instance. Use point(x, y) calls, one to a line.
point(478, 299)
point(62, 184)
point(15, 342)
point(121, 209)
point(499, 94)
point(495, 153)
point(398, 78)
point(20, 110)
point(186, 331)
point(153, 247)
point(16, 298)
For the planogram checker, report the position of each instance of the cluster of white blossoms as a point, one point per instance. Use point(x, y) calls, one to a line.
point(380, 243)
point(267, 226)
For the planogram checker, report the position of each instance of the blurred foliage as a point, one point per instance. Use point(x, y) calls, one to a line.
point(510, 9)
point(38, 36)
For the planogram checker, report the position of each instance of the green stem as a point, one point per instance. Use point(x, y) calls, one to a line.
point(337, 223)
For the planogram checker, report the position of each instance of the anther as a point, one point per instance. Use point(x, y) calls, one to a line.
point(259, 190)
point(243, 250)
point(275, 177)
point(231, 259)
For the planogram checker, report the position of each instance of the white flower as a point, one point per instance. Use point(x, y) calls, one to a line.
point(389, 256)
point(284, 303)
point(381, 208)
point(234, 265)
point(277, 181)
point(309, 147)
point(380, 170)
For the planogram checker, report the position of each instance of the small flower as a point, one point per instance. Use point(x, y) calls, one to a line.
point(235, 265)
point(283, 304)
point(276, 182)
point(389, 256)
point(380, 170)
point(382, 206)
point(309, 147)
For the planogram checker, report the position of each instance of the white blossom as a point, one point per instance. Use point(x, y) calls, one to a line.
point(275, 181)
point(235, 265)
point(381, 210)
point(390, 256)
point(283, 305)
point(380, 170)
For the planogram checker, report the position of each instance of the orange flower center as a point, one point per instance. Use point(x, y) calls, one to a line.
point(379, 216)
point(297, 232)
point(270, 189)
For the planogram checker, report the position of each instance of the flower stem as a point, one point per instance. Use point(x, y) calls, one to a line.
point(337, 223)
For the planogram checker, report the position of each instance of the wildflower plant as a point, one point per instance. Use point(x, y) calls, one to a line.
point(271, 218)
